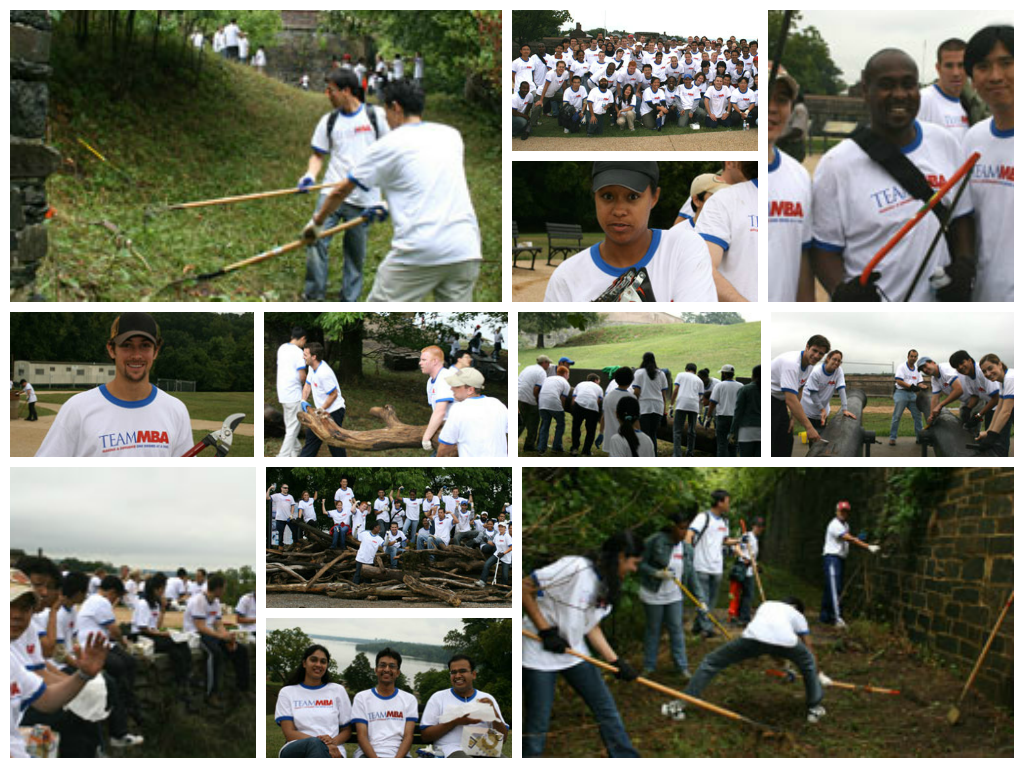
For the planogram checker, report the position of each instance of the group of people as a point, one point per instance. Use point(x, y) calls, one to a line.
point(802, 391)
point(65, 634)
point(231, 43)
point(635, 82)
point(391, 524)
point(864, 190)
point(317, 716)
point(709, 254)
point(463, 358)
point(627, 414)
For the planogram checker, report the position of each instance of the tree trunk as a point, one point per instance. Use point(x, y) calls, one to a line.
point(443, 595)
point(396, 434)
point(540, 340)
point(350, 348)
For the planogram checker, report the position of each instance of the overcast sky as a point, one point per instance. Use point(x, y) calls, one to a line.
point(885, 337)
point(410, 630)
point(142, 517)
point(674, 20)
point(853, 36)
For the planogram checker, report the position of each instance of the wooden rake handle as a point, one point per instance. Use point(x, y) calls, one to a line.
point(988, 644)
point(246, 198)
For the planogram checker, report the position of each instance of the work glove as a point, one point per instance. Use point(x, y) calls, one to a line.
point(625, 672)
point(961, 274)
point(664, 574)
point(824, 679)
point(311, 233)
point(988, 440)
point(428, 445)
point(375, 213)
point(304, 406)
point(305, 183)
point(552, 641)
point(600, 439)
point(852, 290)
point(874, 549)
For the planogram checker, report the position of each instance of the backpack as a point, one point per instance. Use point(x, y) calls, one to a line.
point(333, 120)
point(569, 118)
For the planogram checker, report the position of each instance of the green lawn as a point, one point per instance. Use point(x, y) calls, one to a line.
point(549, 127)
point(209, 406)
point(540, 240)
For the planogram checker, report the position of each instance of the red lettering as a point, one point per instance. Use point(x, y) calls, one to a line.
point(15, 690)
point(153, 436)
point(785, 208)
point(936, 181)
point(31, 648)
point(1006, 172)
point(396, 715)
point(324, 702)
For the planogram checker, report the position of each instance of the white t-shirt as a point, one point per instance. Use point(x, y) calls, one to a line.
point(651, 100)
point(677, 261)
point(346, 496)
point(554, 82)
point(525, 70)
point(579, 69)
point(858, 207)
point(619, 448)
point(306, 510)
point(723, 395)
point(819, 388)
point(501, 542)
point(479, 426)
point(438, 389)
point(443, 528)
point(551, 392)
point(834, 543)
point(743, 99)
point(718, 99)
point(351, 136)
point(668, 591)
point(611, 420)
point(652, 391)
point(531, 376)
point(729, 220)
point(384, 718)
point(359, 516)
point(575, 98)
point(588, 395)
point(67, 623)
point(282, 506)
point(289, 362)
point(978, 385)
point(231, 35)
point(789, 374)
point(30, 391)
point(247, 607)
point(394, 539)
point(438, 703)
point(95, 423)
point(323, 382)
point(707, 550)
point(908, 376)
point(145, 616)
point(691, 390)
point(942, 109)
point(382, 509)
point(599, 69)
point(569, 598)
point(26, 687)
point(624, 78)
point(344, 517)
point(368, 546)
point(789, 224)
point(95, 616)
point(689, 98)
point(321, 710)
point(175, 587)
point(420, 169)
point(944, 381)
point(992, 192)
point(600, 100)
point(1006, 387)
point(201, 608)
point(520, 103)
point(777, 623)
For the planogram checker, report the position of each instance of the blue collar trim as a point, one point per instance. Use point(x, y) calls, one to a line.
point(915, 142)
point(462, 698)
point(312, 687)
point(384, 698)
point(608, 269)
point(945, 95)
point(754, 182)
point(776, 161)
point(1007, 134)
point(128, 403)
point(351, 114)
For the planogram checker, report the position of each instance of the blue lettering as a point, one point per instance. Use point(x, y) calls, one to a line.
point(753, 221)
point(888, 196)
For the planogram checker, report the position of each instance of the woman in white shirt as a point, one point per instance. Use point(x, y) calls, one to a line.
point(314, 712)
point(625, 105)
point(653, 107)
point(629, 441)
point(651, 388)
point(551, 402)
point(997, 436)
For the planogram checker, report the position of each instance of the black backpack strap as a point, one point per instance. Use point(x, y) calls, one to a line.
point(898, 166)
point(331, 121)
point(372, 114)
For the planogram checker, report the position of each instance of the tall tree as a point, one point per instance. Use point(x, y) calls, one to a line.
point(284, 654)
point(528, 26)
point(546, 322)
point(807, 56)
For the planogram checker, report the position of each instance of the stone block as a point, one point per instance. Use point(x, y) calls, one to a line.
point(1002, 570)
point(1000, 545)
point(29, 70)
point(1002, 484)
point(28, 109)
point(947, 644)
point(17, 217)
point(966, 595)
point(30, 44)
point(37, 19)
point(31, 159)
point(974, 569)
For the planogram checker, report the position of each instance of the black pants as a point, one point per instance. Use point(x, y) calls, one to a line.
point(181, 658)
point(584, 417)
point(818, 424)
point(216, 652)
point(78, 737)
point(32, 415)
point(723, 424)
point(782, 438)
point(120, 668)
point(313, 443)
point(531, 420)
point(649, 423)
point(749, 449)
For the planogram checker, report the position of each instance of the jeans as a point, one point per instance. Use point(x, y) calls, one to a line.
point(744, 648)
point(354, 248)
point(32, 415)
point(596, 128)
point(290, 446)
point(410, 525)
point(545, 423)
point(747, 599)
point(485, 572)
point(531, 418)
point(359, 570)
point(904, 399)
point(709, 584)
point(722, 426)
point(338, 534)
point(688, 116)
point(311, 747)
point(584, 416)
point(216, 650)
point(519, 124)
point(671, 616)
point(649, 423)
point(586, 680)
point(393, 552)
point(834, 566)
point(470, 536)
point(680, 424)
point(313, 443)
point(280, 525)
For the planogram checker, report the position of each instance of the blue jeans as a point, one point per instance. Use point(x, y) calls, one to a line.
point(671, 616)
point(354, 248)
point(679, 425)
point(519, 124)
point(485, 572)
point(311, 747)
point(746, 599)
point(393, 551)
point(598, 127)
point(904, 399)
point(545, 424)
point(709, 583)
point(410, 525)
point(339, 532)
point(834, 566)
point(586, 680)
point(744, 648)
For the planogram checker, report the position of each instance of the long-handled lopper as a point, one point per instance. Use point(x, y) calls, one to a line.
point(753, 563)
point(151, 212)
point(221, 439)
point(953, 716)
point(704, 608)
point(837, 684)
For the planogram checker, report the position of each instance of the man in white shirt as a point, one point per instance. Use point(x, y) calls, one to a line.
point(382, 508)
point(599, 101)
point(420, 168)
point(321, 381)
point(447, 736)
point(789, 374)
point(945, 381)
point(524, 68)
point(686, 394)
point(439, 392)
point(530, 381)
point(940, 102)
point(837, 546)
point(978, 390)
point(127, 417)
point(728, 222)
point(385, 716)
point(908, 384)
point(291, 378)
point(551, 402)
point(342, 138)
point(203, 616)
point(371, 543)
point(587, 397)
point(283, 506)
point(551, 89)
point(708, 533)
point(477, 426)
point(523, 114)
point(231, 33)
point(722, 407)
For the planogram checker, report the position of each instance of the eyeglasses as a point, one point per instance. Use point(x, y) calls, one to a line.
point(382, 665)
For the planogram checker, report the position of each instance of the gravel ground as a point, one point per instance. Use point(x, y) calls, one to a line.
point(296, 600)
point(698, 141)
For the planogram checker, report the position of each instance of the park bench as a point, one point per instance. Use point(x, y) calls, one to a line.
point(566, 232)
point(518, 249)
point(838, 129)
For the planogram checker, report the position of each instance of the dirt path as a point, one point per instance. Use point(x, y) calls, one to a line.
point(530, 285)
point(293, 600)
point(721, 140)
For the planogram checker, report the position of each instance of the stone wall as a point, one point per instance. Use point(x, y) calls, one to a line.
point(31, 160)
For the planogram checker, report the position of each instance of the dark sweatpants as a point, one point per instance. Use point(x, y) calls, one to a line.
point(782, 438)
point(312, 446)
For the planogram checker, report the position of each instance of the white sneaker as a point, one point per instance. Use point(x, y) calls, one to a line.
point(480, 583)
point(840, 624)
point(566, 130)
point(814, 714)
point(674, 709)
point(695, 126)
point(128, 740)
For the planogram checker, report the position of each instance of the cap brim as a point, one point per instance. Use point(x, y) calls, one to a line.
point(132, 334)
point(621, 177)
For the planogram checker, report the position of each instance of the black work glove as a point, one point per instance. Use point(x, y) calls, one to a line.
point(852, 290)
point(553, 642)
point(961, 274)
point(988, 441)
point(625, 672)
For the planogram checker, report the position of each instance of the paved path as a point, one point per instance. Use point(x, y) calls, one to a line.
point(697, 141)
point(298, 600)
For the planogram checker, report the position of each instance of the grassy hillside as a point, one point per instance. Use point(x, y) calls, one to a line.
point(709, 346)
point(178, 137)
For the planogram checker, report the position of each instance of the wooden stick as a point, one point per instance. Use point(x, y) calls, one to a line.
point(753, 563)
point(245, 198)
point(984, 651)
point(837, 684)
point(710, 615)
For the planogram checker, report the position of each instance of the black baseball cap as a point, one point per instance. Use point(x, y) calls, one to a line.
point(134, 324)
point(635, 176)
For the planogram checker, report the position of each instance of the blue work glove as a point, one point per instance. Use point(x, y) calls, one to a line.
point(305, 183)
point(304, 406)
point(375, 213)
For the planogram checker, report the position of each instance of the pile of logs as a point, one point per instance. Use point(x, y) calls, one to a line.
point(311, 566)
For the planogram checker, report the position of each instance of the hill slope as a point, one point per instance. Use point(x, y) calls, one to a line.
point(709, 346)
point(178, 138)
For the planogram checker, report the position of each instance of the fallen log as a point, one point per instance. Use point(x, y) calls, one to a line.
point(396, 434)
point(443, 595)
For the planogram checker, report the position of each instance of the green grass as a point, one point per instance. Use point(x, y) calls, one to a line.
point(241, 445)
point(549, 127)
point(540, 240)
point(179, 139)
point(673, 345)
point(209, 406)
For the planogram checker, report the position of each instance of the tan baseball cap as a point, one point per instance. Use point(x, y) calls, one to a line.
point(20, 584)
point(466, 377)
point(544, 359)
point(784, 78)
point(707, 182)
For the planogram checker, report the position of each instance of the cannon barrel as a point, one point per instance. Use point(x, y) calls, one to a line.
point(846, 437)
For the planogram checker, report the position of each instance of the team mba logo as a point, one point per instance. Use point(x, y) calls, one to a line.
point(388, 714)
point(994, 174)
point(893, 197)
point(785, 209)
point(312, 703)
point(364, 129)
point(126, 441)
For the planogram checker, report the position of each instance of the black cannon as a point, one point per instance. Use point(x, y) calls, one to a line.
point(844, 436)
